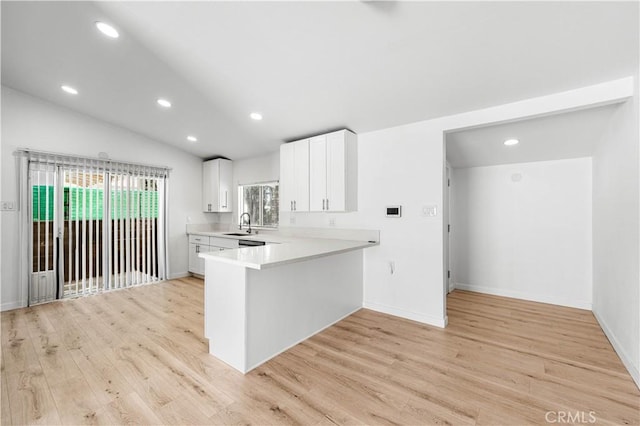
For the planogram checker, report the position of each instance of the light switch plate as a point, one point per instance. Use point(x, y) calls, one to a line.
point(7, 206)
point(430, 211)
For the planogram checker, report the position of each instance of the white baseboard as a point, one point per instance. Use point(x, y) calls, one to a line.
point(579, 304)
point(624, 356)
point(179, 275)
point(12, 305)
point(402, 313)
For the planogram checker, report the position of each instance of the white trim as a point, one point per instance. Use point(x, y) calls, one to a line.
point(403, 313)
point(179, 275)
point(601, 94)
point(579, 304)
point(622, 354)
point(12, 305)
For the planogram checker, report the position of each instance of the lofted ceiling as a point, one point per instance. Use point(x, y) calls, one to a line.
point(308, 67)
point(556, 137)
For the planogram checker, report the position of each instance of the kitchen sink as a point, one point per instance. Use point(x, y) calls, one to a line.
point(239, 234)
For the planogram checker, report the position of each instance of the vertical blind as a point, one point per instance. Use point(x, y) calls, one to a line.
point(95, 224)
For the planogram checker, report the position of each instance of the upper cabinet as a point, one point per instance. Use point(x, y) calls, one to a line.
point(333, 172)
point(217, 178)
point(320, 173)
point(294, 176)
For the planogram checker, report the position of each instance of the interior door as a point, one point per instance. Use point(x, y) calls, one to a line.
point(447, 222)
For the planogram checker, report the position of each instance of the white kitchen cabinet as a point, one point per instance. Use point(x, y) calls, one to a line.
point(333, 172)
point(294, 176)
point(217, 182)
point(197, 244)
point(203, 244)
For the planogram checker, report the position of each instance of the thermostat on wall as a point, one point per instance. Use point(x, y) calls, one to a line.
point(394, 211)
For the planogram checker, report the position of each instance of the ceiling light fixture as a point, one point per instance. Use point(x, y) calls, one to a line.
point(256, 116)
point(192, 139)
point(107, 30)
point(164, 103)
point(70, 90)
point(511, 142)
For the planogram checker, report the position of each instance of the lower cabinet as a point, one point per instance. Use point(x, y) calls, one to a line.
point(200, 244)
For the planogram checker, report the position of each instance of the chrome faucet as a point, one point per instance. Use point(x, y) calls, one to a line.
point(249, 222)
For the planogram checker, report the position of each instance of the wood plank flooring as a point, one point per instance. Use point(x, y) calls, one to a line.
point(138, 356)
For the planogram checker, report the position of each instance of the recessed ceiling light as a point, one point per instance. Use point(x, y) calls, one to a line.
point(164, 103)
point(256, 116)
point(107, 30)
point(69, 89)
point(192, 139)
point(511, 142)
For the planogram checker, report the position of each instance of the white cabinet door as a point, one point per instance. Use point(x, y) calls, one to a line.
point(335, 172)
point(196, 263)
point(225, 179)
point(301, 152)
point(317, 173)
point(287, 176)
point(209, 186)
point(217, 183)
point(294, 176)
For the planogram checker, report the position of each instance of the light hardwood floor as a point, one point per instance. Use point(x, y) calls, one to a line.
point(138, 356)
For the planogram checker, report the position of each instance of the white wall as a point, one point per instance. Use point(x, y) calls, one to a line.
point(405, 165)
point(616, 253)
point(29, 122)
point(401, 165)
point(528, 238)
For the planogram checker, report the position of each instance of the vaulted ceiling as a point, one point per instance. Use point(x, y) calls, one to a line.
point(308, 67)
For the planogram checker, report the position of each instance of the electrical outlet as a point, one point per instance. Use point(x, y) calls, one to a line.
point(332, 221)
point(7, 206)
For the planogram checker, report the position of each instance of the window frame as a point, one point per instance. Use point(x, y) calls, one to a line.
point(258, 224)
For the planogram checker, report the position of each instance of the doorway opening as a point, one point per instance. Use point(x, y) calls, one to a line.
point(519, 221)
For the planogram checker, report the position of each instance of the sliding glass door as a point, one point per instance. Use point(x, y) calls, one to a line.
point(94, 227)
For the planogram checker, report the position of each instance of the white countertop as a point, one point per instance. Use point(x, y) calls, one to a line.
point(283, 250)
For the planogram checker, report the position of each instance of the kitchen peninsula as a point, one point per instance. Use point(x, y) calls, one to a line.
point(262, 300)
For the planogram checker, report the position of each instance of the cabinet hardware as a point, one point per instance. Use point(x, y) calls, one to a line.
point(327, 204)
point(323, 201)
point(197, 248)
point(291, 206)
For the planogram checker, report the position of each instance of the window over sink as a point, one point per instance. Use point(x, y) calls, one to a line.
point(260, 200)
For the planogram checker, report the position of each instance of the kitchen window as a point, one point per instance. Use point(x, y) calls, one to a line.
point(260, 200)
